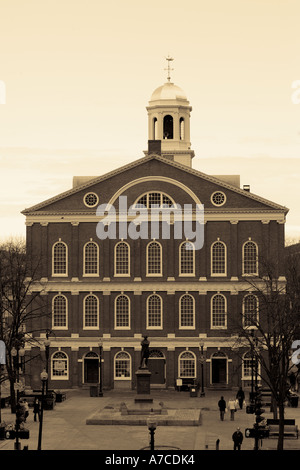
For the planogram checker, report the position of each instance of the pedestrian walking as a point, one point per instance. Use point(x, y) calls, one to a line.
point(25, 405)
point(237, 438)
point(222, 407)
point(36, 409)
point(232, 408)
point(240, 397)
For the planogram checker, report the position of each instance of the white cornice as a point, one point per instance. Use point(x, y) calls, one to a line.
point(134, 342)
point(264, 216)
point(202, 287)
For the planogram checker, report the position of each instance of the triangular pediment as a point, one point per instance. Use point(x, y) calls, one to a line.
point(201, 184)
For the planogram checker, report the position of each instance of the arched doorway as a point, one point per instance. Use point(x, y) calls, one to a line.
point(91, 368)
point(156, 365)
point(219, 368)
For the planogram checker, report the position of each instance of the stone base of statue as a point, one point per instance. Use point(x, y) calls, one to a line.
point(143, 376)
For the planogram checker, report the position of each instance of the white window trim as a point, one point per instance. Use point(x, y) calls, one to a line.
point(90, 327)
point(161, 314)
point(249, 377)
point(147, 260)
point(115, 314)
point(130, 365)
point(67, 260)
point(218, 205)
point(250, 327)
point(115, 260)
point(186, 274)
point(211, 260)
point(86, 205)
point(67, 316)
point(153, 191)
point(195, 362)
point(58, 377)
point(90, 275)
point(180, 313)
point(211, 314)
point(243, 260)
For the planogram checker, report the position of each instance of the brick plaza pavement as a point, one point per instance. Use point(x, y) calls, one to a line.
point(65, 428)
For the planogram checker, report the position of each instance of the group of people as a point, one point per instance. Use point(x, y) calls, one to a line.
point(233, 404)
point(36, 408)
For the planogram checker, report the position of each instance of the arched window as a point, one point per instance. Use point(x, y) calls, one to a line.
point(181, 128)
point(91, 312)
point(59, 259)
point(187, 365)
point(91, 259)
point(59, 366)
point(187, 259)
point(250, 310)
point(251, 368)
point(168, 127)
point(122, 366)
point(154, 311)
point(250, 258)
point(122, 312)
point(60, 312)
point(122, 259)
point(154, 128)
point(154, 259)
point(154, 199)
point(248, 365)
point(218, 259)
point(187, 312)
point(218, 311)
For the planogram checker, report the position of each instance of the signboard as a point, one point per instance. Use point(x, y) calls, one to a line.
point(179, 382)
point(59, 365)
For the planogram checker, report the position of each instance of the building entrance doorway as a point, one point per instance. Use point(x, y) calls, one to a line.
point(91, 368)
point(219, 368)
point(156, 365)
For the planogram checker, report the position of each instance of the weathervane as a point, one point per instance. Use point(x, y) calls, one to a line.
point(169, 59)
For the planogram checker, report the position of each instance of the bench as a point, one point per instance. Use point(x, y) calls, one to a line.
point(290, 428)
point(186, 384)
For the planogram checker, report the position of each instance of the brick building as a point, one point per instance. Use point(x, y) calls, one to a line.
point(119, 289)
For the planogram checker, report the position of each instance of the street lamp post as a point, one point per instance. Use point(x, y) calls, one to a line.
point(252, 367)
point(235, 348)
point(152, 424)
point(17, 353)
point(47, 351)
point(202, 359)
point(44, 378)
point(100, 367)
point(47, 347)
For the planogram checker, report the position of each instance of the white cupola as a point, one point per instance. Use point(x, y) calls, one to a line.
point(169, 123)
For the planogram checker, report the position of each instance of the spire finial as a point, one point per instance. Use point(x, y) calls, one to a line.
point(169, 59)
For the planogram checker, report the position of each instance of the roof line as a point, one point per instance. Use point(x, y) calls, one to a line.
point(135, 163)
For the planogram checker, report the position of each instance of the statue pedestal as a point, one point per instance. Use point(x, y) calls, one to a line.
point(143, 376)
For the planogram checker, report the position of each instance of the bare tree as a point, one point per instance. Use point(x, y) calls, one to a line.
point(269, 328)
point(20, 304)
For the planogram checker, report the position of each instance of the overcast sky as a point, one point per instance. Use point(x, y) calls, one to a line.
point(79, 75)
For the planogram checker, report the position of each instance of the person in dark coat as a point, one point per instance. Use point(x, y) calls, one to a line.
point(222, 407)
point(241, 397)
point(237, 438)
point(36, 408)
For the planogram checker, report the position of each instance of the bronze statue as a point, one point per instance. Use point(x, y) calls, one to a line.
point(144, 353)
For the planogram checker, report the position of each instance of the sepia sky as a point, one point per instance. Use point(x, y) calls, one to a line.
point(79, 75)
